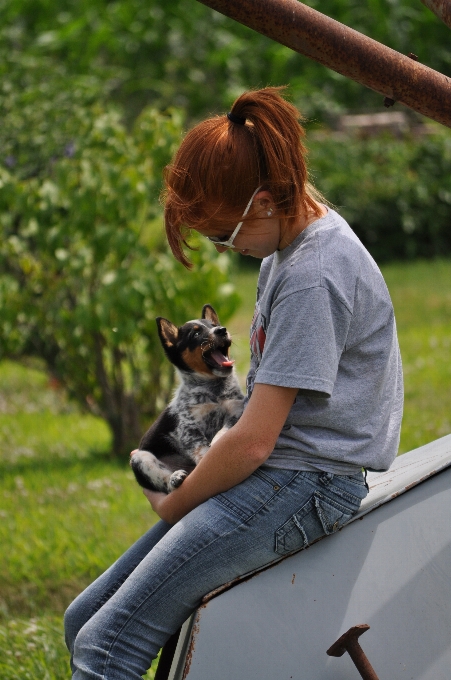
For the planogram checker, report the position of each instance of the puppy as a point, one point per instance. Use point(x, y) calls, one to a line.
point(207, 402)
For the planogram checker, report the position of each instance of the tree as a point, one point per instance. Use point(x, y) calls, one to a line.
point(84, 269)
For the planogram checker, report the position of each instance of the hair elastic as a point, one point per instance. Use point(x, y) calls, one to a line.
point(236, 119)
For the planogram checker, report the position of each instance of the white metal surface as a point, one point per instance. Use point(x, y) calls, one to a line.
point(391, 570)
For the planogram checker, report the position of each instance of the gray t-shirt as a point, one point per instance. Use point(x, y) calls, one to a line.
point(324, 323)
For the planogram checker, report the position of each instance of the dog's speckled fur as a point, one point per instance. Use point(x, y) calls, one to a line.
point(208, 401)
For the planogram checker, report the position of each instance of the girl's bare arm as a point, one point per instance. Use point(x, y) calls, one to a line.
point(234, 456)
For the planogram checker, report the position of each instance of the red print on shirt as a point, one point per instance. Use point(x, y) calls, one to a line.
point(258, 335)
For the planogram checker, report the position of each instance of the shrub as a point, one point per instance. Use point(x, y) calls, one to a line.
point(394, 192)
point(84, 269)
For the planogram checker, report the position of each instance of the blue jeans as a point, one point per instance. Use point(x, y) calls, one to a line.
point(116, 627)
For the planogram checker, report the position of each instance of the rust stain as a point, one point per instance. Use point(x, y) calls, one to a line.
point(346, 51)
point(415, 483)
point(192, 646)
point(225, 586)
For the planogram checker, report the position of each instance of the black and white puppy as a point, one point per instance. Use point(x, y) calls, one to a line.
point(207, 401)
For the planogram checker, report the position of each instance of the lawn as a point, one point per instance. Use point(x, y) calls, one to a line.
point(67, 510)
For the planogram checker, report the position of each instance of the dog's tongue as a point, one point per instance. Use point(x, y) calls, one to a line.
point(221, 359)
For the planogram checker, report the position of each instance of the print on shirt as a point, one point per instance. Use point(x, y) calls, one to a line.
point(258, 334)
point(257, 344)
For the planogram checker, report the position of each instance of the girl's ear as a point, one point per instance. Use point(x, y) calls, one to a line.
point(209, 313)
point(264, 204)
point(167, 331)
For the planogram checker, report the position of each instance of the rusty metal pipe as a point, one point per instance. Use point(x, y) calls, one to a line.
point(346, 51)
point(349, 642)
point(441, 8)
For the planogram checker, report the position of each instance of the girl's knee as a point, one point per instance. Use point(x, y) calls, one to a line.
point(83, 647)
point(72, 625)
point(76, 616)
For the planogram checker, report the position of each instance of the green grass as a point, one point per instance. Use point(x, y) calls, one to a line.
point(62, 527)
point(68, 510)
point(421, 294)
point(33, 649)
point(246, 284)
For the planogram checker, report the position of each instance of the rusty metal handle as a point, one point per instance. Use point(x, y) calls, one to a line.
point(349, 643)
point(441, 8)
point(346, 51)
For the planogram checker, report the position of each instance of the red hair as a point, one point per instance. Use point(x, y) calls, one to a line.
point(220, 164)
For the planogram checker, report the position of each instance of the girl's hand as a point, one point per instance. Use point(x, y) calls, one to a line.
point(157, 500)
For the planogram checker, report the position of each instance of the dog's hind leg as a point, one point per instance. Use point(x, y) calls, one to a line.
point(151, 473)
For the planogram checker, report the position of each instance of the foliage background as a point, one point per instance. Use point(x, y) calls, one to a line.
point(182, 54)
point(94, 96)
point(394, 191)
point(84, 265)
point(185, 54)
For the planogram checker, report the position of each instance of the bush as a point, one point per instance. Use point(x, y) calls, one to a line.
point(84, 268)
point(394, 192)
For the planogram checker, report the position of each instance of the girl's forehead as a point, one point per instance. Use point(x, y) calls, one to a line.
point(222, 224)
point(215, 229)
point(217, 215)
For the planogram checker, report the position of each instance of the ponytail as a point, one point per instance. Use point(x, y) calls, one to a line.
point(222, 160)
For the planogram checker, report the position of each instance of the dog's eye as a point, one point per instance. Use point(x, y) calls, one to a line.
point(196, 334)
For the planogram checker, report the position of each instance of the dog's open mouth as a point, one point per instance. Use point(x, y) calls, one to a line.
point(217, 357)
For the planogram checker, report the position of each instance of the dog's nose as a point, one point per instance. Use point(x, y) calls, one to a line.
point(220, 330)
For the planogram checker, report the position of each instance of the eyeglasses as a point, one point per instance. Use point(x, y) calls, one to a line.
point(229, 242)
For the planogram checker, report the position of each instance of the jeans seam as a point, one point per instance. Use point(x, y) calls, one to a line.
point(168, 576)
point(111, 591)
point(230, 506)
point(355, 500)
point(272, 480)
point(334, 503)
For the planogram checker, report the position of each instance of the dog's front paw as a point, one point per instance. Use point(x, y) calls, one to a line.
point(177, 478)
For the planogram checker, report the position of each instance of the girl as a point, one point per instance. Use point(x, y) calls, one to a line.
point(324, 390)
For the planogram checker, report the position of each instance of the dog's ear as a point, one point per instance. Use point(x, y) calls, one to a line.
point(167, 331)
point(209, 313)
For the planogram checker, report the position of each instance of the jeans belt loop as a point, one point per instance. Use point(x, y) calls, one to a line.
point(326, 478)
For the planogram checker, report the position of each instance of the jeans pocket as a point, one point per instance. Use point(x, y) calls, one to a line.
point(350, 490)
point(318, 517)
